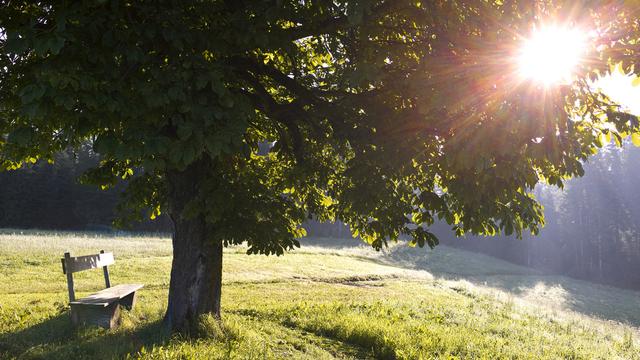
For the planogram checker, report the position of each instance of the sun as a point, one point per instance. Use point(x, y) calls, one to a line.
point(551, 55)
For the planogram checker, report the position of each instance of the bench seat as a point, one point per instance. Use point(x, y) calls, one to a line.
point(101, 308)
point(108, 296)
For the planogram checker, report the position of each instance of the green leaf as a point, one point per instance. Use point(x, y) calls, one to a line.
point(56, 44)
point(31, 93)
point(213, 145)
point(14, 44)
point(105, 144)
point(227, 101)
point(184, 131)
point(21, 136)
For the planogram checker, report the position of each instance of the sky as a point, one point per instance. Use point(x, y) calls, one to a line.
point(619, 88)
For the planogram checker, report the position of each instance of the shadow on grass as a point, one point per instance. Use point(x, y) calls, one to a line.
point(56, 338)
point(602, 301)
point(587, 298)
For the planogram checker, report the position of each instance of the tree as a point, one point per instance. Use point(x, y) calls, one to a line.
point(383, 114)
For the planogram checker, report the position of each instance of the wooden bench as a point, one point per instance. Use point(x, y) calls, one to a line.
point(101, 308)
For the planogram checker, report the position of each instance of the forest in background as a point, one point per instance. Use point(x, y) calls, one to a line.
point(50, 197)
point(592, 230)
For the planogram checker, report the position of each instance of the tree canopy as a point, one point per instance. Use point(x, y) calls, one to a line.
point(383, 114)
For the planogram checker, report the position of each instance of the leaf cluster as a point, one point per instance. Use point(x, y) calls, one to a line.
point(387, 114)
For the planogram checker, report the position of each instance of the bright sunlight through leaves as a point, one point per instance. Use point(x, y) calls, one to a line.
point(551, 54)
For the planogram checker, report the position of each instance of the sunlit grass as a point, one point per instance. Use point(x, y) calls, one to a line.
point(316, 303)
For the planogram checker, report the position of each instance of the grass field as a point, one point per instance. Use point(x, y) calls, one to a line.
point(319, 302)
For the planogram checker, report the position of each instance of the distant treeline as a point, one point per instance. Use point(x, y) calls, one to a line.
point(592, 228)
point(592, 231)
point(49, 197)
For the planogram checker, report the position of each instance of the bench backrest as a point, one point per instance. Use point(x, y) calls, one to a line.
point(72, 264)
point(87, 262)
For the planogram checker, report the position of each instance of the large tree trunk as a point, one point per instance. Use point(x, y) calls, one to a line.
point(196, 270)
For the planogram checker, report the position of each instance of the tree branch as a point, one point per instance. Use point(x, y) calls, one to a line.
point(283, 113)
point(334, 24)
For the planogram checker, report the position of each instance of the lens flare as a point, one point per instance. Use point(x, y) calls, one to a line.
point(551, 55)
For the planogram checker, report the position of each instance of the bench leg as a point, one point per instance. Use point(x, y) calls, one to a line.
point(106, 317)
point(128, 301)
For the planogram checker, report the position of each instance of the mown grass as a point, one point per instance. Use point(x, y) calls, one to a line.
point(316, 303)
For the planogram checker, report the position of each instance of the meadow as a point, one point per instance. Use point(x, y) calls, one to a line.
point(329, 299)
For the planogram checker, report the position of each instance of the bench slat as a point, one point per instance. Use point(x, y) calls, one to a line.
point(80, 263)
point(108, 296)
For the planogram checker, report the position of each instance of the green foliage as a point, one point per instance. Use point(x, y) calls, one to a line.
point(386, 115)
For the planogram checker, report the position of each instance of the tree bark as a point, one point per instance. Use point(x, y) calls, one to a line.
point(196, 270)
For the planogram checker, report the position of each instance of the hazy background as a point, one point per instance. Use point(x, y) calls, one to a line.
point(592, 229)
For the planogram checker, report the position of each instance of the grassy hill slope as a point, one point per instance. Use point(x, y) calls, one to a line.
point(319, 302)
